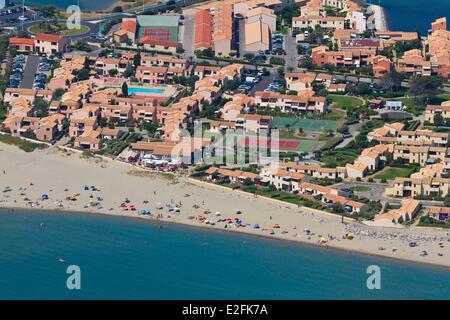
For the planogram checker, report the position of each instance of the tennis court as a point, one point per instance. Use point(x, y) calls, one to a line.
point(306, 124)
point(282, 144)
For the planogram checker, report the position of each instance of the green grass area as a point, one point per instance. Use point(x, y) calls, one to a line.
point(61, 29)
point(444, 96)
point(306, 124)
point(331, 142)
point(307, 145)
point(339, 158)
point(360, 189)
point(345, 101)
point(391, 173)
point(25, 145)
point(430, 222)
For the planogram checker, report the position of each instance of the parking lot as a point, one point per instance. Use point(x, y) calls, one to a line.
point(31, 66)
point(29, 72)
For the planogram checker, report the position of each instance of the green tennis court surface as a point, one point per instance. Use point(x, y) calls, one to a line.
point(306, 124)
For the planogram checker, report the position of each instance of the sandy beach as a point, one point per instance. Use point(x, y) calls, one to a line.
point(120, 187)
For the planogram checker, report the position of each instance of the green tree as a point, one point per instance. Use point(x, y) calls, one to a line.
point(137, 59)
point(438, 120)
point(425, 87)
point(40, 108)
point(125, 89)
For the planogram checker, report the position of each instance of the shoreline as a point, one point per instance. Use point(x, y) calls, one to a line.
point(63, 173)
point(208, 228)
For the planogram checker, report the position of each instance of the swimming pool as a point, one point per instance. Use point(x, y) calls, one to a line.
point(141, 90)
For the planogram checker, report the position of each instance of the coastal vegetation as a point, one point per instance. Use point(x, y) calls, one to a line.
point(427, 221)
point(23, 144)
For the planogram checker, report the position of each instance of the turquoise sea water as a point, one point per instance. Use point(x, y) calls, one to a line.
point(129, 259)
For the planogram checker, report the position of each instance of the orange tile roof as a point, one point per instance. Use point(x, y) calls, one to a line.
point(203, 25)
point(129, 26)
point(19, 41)
point(49, 37)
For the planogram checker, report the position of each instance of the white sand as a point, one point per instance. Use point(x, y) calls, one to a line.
point(51, 171)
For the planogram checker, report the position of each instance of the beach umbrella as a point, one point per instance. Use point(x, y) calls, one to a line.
point(256, 226)
point(159, 206)
point(44, 197)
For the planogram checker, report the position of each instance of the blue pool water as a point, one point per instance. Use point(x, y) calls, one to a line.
point(130, 259)
point(138, 90)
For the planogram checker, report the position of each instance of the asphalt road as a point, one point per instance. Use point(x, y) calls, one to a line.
point(29, 72)
point(290, 46)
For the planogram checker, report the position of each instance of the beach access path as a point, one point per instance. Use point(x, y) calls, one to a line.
point(60, 174)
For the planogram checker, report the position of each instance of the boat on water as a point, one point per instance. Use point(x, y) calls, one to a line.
point(61, 260)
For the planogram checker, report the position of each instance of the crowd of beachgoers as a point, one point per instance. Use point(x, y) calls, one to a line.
point(52, 179)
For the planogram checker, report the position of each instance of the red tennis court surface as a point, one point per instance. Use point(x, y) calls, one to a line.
point(157, 34)
point(282, 144)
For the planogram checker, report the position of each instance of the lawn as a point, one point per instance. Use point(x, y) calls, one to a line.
point(345, 101)
point(341, 158)
point(391, 173)
point(61, 29)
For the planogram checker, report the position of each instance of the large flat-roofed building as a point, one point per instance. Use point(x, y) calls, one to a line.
point(257, 36)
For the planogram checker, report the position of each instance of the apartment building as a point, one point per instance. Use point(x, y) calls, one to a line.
point(283, 180)
point(106, 65)
point(419, 155)
point(254, 123)
point(443, 110)
point(215, 174)
point(50, 43)
point(305, 22)
point(311, 169)
point(291, 103)
point(380, 65)
point(413, 187)
point(151, 75)
point(407, 212)
point(413, 64)
point(356, 57)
